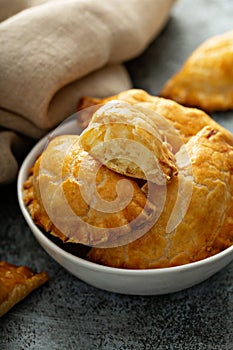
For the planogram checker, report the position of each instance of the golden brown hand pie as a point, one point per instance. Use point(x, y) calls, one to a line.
point(179, 236)
point(206, 78)
point(187, 121)
point(72, 196)
point(16, 282)
point(128, 139)
point(207, 226)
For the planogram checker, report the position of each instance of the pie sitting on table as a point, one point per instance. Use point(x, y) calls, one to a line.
point(206, 78)
point(16, 282)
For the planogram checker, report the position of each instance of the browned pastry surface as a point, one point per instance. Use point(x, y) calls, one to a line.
point(59, 173)
point(187, 121)
point(207, 227)
point(119, 128)
point(206, 78)
point(16, 282)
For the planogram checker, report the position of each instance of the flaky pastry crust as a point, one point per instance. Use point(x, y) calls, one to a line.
point(203, 229)
point(16, 283)
point(206, 78)
point(120, 132)
point(55, 197)
point(187, 121)
point(207, 226)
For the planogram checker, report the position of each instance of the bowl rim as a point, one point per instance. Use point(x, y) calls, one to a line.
point(23, 171)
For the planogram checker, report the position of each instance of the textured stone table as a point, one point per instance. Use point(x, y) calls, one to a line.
point(69, 314)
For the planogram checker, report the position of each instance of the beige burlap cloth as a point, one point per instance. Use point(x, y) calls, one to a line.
point(53, 52)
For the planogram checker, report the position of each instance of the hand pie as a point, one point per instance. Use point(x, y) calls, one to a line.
point(128, 139)
point(206, 78)
point(16, 283)
point(72, 196)
point(187, 121)
point(207, 226)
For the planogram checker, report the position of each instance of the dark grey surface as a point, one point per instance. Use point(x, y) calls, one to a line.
point(69, 314)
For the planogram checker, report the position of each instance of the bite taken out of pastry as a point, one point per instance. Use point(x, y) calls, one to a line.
point(206, 78)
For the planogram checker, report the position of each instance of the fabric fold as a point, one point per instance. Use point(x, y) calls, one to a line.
point(55, 51)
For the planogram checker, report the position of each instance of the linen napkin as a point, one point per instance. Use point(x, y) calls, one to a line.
point(55, 51)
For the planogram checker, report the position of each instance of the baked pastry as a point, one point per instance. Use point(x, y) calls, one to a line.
point(186, 121)
point(72, 196)
point(206, 78)
point(195, 220)
point(204, 229)
point(16, 283)
point(130, 140)
point(149, 250)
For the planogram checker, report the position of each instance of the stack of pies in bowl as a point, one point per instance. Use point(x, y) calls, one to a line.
point(147, 186)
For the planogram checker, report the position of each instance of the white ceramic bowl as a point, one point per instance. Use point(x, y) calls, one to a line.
point(138, 282)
